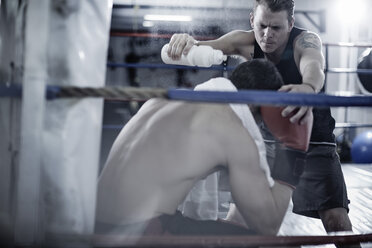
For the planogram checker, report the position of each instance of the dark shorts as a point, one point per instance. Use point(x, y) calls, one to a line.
point(322, 185)
point(176, 224)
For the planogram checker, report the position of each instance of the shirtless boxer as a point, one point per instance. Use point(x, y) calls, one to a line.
point(169, 145)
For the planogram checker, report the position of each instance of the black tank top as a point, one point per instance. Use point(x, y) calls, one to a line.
point(324, 124)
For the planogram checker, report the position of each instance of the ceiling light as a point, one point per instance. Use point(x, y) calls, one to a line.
point(147, 24)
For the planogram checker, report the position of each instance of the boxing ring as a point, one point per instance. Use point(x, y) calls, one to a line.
point(55, 93)
point(295, 230)
point(294, 226)
point(126, 94)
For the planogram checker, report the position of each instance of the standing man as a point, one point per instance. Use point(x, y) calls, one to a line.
point(297, 55)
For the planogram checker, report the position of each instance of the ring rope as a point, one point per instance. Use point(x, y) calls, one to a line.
point(226, 241)
point(348, 44)
point(271, 98)
point(13, 90)
point(349, 70)
point(242, 96)
point(221, 68)
point(352, 125)
point(124, 93)
point(169, 66)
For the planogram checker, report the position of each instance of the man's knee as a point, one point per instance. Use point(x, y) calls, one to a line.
point(335, 219)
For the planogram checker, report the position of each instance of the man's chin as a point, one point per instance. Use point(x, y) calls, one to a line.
point(268, 49)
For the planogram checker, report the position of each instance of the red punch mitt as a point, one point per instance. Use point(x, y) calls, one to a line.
point(292, 135)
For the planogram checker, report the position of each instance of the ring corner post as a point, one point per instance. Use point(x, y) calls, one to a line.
point(28, 218)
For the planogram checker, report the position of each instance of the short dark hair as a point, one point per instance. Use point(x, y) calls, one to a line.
point(278, 5)
point(256, 74)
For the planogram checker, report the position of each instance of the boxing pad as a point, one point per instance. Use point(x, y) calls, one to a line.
point(292, 135)
point(290, 154)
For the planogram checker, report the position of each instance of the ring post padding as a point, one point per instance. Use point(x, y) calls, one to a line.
point(27, 223)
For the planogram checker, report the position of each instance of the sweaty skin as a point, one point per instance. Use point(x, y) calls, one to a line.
point(168, 146)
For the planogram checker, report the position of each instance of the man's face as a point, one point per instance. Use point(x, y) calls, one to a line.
point(271, 29)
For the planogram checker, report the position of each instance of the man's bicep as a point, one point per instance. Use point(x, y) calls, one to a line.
point(311, 68)
point(308, 40)
point(310, 60)
point(308, 50)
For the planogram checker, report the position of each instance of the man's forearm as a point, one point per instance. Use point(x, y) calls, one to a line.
point(235, 216)
point(269, 222)
point(282, 194)
point(313, 76)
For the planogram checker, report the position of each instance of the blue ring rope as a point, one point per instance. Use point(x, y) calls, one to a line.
point(271, 98)
point(168, 66)
point(13, 90)
point(220, 67)
point(243, 96)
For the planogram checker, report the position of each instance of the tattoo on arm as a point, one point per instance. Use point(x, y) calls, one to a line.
point(310, 40)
